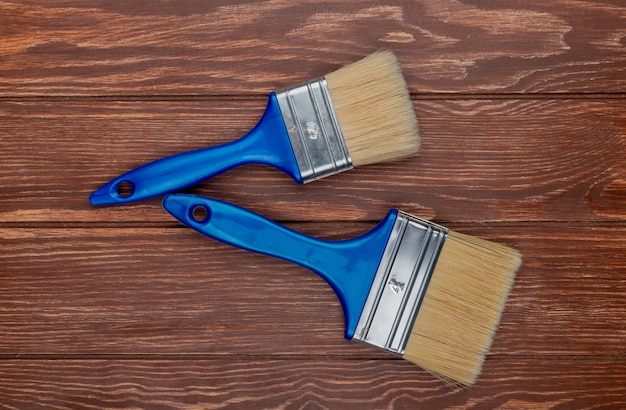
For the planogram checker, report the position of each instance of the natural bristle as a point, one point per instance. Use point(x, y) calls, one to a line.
point(462, 306)
point(374, 109)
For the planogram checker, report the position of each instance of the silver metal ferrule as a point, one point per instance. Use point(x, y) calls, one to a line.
point(400, 283)
point(314, 131)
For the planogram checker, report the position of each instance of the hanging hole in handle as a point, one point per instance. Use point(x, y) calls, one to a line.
point(124, 189)
point(200, 213)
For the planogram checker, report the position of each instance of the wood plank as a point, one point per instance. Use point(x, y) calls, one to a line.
point(64, 48)
point(528, 383)
point(480, 160)
point(171, 291)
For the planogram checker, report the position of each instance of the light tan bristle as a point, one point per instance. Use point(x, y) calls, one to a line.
point(462, 306)
point(374, 109)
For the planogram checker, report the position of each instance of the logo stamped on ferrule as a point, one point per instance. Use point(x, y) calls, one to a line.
point(312, 130)
point(396, 286)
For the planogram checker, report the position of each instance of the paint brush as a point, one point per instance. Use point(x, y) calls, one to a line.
point(408, 286)
point(357, 115)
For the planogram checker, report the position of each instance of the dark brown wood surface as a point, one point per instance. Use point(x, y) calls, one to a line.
point(522, 110)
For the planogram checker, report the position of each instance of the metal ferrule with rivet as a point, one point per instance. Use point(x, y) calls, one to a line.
point(400, 283)
point(314, 132)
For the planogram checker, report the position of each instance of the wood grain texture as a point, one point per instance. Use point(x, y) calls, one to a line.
point(522, 114)
point(245, 383)
point(480, 160)
point(170, 290)
point(222, 47)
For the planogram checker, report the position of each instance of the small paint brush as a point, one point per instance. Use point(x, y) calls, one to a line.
point(408, 286)
point(357, 115)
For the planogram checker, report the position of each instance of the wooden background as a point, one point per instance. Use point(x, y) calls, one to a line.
point(522, 110)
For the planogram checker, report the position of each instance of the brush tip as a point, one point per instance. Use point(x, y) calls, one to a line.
point(461, 310)
point(374, 109)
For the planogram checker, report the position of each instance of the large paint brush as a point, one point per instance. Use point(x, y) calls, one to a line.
point(357, 115)
point(408, 286)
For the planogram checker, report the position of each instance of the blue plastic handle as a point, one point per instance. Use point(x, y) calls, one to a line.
point(268, 143)
point(348, 266)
